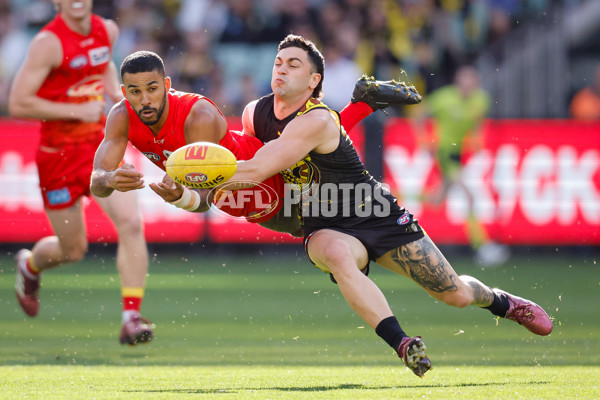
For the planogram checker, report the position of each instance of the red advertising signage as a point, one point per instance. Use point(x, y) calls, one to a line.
point(536, 182)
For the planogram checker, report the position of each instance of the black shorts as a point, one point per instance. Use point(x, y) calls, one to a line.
point(378, 235)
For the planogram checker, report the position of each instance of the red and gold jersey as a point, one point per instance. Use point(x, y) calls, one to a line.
point(78, 79)
point(171, 136)
point(257, 204)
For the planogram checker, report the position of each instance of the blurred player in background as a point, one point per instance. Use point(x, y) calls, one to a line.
point(62, 82)
point(458, 111)
point(158, 120)
point(342, 228)
point(585, 104)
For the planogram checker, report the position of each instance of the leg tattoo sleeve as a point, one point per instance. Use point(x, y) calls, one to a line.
point(426, 265)
point(483, 296)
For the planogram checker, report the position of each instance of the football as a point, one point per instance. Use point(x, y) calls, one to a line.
point(201, 165)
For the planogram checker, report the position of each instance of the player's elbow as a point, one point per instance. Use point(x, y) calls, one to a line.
point(16, 108)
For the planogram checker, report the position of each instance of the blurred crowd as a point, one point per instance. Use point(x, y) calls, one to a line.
point(224, 48)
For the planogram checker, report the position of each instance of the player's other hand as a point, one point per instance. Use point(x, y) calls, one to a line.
point(168, 189)
point(91, 111)
point(126, 178)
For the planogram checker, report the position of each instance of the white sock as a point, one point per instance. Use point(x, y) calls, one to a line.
point(127, 314)
point(25, 271)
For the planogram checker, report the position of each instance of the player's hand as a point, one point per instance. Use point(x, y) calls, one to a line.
point(168, 189)
point(91, 111)
point(126, 178)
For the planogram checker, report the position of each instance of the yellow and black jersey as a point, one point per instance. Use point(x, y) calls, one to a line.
point(267, 127)
point(337, 192)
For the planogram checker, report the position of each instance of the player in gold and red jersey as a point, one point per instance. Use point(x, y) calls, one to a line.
point(158, 120)
point(63, 81)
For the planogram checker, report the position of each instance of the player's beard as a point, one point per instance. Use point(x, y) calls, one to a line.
point(159, 112)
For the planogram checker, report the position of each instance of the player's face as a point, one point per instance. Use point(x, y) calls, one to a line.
point(293, 73)
point(75, 9)
point(147, 94)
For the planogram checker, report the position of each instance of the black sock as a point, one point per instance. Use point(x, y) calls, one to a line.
point(500, 305)
point(389, 330)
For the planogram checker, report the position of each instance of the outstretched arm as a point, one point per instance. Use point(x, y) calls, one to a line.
point(203, 124)
point(316, 131)
point(107, 174)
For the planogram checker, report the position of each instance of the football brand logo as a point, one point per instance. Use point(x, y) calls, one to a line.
point(196, 153)
point(196, 177)
point(99, 56)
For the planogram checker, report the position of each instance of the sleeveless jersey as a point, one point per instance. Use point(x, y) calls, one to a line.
point(172, 136)
point(77, 80)
point(267, 127)
point(337, 190)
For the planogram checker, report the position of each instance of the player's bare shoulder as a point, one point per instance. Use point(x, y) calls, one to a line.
point(45, 48)
point(321, 118)
point(117, 122)
point(318, 127)
point(111, 28)
point(204, 123)
point(248, 118)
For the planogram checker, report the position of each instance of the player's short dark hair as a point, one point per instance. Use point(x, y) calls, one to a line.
point(314, 55)
point(142, 61)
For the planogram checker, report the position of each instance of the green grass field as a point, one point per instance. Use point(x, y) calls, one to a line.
point(272, 326)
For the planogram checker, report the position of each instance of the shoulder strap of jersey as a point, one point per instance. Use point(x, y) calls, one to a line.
point(311, 104)
point(314, 104)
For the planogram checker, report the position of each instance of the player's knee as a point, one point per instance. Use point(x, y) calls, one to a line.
point(337, 255)
point(129, 225)
point(77, 252)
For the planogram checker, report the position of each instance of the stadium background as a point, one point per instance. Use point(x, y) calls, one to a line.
point(541, 175)
point(224, 294)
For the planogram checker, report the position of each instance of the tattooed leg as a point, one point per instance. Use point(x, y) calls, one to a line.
point(423, 262)
point(426, 265)
point(483, 296)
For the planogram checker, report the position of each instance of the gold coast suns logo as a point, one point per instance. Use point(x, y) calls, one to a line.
point(90, 87)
